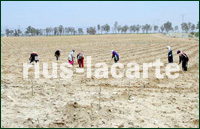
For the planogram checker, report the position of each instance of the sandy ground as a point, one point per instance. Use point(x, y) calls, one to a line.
point(74, 102)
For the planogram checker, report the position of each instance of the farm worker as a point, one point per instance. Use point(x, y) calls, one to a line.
point(115, 56)
point(184, 58)
point(57, 54)
point(34, 57)
point(80, 59)
point(71, 57)
point(170, 55)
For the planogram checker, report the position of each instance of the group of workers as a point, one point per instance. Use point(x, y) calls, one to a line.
point(71, 58)
point(80, 57)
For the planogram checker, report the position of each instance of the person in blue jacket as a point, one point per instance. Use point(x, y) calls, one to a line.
point(170, 55)
point(115, 56)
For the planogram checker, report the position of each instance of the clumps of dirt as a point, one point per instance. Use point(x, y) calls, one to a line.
point(73, 113)
point(121, 126)
point(124, 95)
point(32, 123)
point(156, 80)
point(58, 125)
point(196, 122)
point(76, 105)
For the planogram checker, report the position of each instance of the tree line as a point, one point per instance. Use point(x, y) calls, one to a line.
point(105, 29)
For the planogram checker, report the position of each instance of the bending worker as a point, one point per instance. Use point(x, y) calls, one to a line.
point(57, 54)
point(71, 57)
point(80, 59)
point(34, 57)
point(115, 56)
point(184, 59)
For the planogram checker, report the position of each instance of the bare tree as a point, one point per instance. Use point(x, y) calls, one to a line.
point(91, 30)
point(41, 31)
point(189, 26)
point(80, 31)
point(125, 29)
point(67, 30)
point(143, 29)
point(87, 30)
point(162, 28)
point(11, 32)
point(147, 27)
point(60, 29)
point(98, 28)
point(47, 31)
point(29, 30)
point(132, 28)
point(115, 27)
point(184, 27)
point(155, 28)
point(72, 30)
point(138, 28)
point(176, 28)
point(19, 32)
point(16, 33)
point(55, 30)
point(38, 32)
point(119, 28)
point(33, 31)
point(106, 28)
point(150, 29)
point(50, 30)
point(168, 26)
point(192, 27)
point(102, 29)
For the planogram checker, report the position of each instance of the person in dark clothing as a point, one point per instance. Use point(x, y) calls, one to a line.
point(80, 60)
point(184, 59)
point(170, 55)
point(34, 57)
point(57, 54)
point(115, 56)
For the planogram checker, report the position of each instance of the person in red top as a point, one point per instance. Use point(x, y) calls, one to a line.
point(80, 59)
point(34, 57)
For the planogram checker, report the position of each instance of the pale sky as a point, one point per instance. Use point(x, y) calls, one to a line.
point(83, 14)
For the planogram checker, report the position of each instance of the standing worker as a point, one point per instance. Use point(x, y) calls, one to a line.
point(71, 57)
point(170, 55)
point(57, 54)
point(80, 59)
point(184, 58)
point(34, 57)
point(115, 56)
